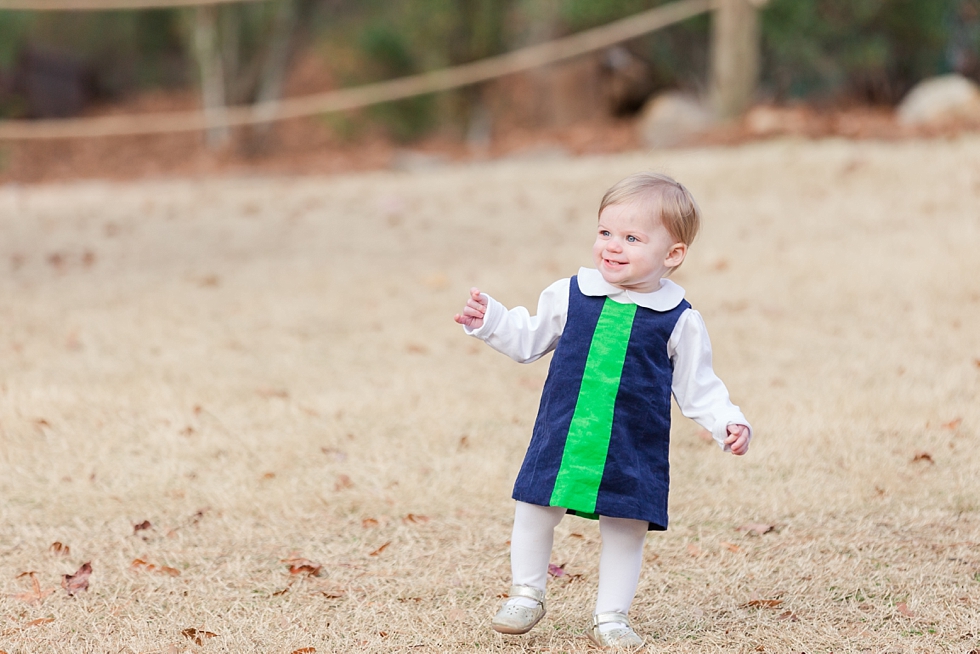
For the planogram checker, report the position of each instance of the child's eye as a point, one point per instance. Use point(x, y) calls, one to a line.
point(631, 239)
point(603, 232)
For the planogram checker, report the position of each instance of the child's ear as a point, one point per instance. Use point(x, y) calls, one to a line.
point(675, 255)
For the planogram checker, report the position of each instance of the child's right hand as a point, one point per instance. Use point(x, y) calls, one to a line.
point(474, 311)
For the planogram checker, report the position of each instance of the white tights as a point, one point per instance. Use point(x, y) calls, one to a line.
point(619, 563)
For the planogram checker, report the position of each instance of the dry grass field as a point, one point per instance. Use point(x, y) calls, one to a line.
point(205, 383)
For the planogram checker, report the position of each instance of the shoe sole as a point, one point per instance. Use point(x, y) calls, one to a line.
point(514, 631)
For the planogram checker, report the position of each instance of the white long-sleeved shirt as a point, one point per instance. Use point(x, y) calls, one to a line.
point(699, 393)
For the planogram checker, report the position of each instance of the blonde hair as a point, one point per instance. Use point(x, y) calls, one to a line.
point(679, 213)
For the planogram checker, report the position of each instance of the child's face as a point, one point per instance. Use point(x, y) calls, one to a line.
point(633, 250)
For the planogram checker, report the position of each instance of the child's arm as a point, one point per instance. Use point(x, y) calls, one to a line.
point(515, 332)
point(700, 394)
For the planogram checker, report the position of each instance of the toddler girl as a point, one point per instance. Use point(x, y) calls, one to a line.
point(625, 339)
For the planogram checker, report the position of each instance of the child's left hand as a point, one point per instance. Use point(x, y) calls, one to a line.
point(738, 439)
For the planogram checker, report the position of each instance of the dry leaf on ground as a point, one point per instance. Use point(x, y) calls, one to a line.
point(78, 581)
point(59, 548)
point(36, 595)
point(301, 566)
point(415, 518)
point(140, 564)
point(731, 547)
point(304, 650)
point(922, 456)
point(143, 526)
point(381, 549)
point(556, 570)
point(197, 635)
point(763, 603)
point(904, 609)
point(367, 523)
point(756, 528)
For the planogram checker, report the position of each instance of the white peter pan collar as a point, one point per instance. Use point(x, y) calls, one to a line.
point(668, 296)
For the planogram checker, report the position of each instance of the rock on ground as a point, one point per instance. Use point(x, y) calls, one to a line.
point(670, 118)
point(940, 99)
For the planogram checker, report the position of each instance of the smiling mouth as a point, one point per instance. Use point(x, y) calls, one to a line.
point(613, 264)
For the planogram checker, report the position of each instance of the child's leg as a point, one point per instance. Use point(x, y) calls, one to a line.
point(619, 565)
point(530, 546)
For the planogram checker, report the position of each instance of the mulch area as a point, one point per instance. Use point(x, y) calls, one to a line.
point(312, 146)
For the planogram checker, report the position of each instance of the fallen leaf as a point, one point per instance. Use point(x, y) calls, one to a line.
point(763, 603)
point(904, 609)
point(78, 581)
point(760, 648)
point(952, 424)
point(464, 442)
point(36, 595)
point(367, 523)
point(59, 549)
point(343, 481)
point(380, 549)
point(693, 549)
point(415, 518)
point(300, 566)
point(731, 547)
point(140, 564)
point(756, 528)
point(38, 621)
point(41, 422)
point(334, 594)
point(304, 650)
point(556, 570)
point(574, 535)
point(281, 592)
point(922, 456)
point(269, 475)
point(197, 635)
point(788, 615)
point(143, 526)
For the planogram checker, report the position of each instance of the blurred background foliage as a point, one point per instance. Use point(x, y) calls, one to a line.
point(867, 51)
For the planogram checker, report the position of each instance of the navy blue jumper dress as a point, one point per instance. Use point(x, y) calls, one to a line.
point(601, 439)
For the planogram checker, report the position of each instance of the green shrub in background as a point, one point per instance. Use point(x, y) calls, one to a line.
point(388, 56)
point(860, 50)
point(865, 50)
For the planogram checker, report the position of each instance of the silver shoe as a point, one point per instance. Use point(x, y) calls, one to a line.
point(622, 638)
point(515, 619)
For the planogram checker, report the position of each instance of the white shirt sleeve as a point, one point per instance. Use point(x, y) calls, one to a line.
point(700, 394)
point(519, 335)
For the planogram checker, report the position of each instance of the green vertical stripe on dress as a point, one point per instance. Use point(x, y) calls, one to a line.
point(584, 457)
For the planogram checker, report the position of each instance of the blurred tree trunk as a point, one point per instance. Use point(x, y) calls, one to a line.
point(479, 33)
point(545, 17)
point(212, 74)
point(735, 56)
point(274, 69)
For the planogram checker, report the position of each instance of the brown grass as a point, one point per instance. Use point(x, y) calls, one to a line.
point(267, 369)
